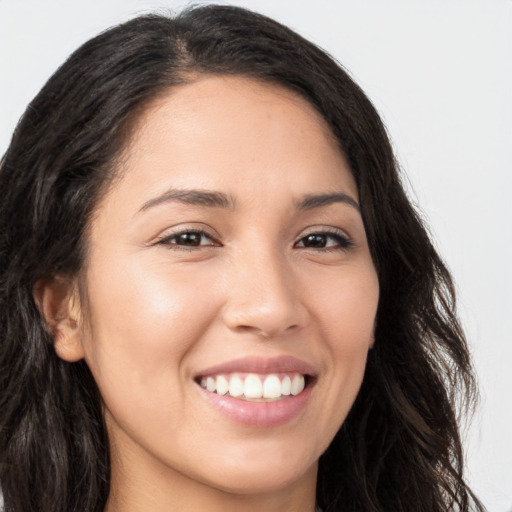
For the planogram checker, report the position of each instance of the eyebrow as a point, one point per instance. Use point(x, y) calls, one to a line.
point(312, 201)
point(213, 199)
point(194, 197)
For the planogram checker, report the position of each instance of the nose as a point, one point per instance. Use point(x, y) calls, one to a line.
point(264, 296)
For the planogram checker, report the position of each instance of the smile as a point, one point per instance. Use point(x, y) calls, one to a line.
point(255, 387)
point(259, 392)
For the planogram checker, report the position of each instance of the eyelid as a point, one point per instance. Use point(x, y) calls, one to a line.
point(165, 239)
point(346, 241)
point(325, 230)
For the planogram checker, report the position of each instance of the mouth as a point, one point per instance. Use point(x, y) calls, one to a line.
point(259, 392)
point(256, 387)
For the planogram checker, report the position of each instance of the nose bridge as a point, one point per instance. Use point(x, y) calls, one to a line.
point(262, 293)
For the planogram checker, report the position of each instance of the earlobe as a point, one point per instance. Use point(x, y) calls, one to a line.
point(58, 301)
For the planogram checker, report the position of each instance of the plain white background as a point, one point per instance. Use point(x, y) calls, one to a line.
point(440, 73)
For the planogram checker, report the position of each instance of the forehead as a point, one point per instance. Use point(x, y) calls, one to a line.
point(237, 134)
point(214, 96)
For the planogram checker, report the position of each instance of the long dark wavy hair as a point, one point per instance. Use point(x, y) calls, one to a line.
point(399, 450)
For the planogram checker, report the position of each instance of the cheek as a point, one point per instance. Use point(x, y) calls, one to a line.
point(142, 323)
point(345, 307)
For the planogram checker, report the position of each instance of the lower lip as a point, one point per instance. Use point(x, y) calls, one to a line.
point(260, 414)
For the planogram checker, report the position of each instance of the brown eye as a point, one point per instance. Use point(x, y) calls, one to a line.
point(188, 239)
point(325, 241)
point(316, 240)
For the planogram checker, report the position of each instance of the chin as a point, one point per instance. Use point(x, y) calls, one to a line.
point(263, 474)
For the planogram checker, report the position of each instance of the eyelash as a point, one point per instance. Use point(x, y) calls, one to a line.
point(342, 241)
point(168, 240)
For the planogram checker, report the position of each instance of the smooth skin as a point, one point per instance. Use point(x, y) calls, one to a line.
point(261, 273)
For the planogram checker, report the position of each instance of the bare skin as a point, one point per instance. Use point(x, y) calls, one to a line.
point(265, 259)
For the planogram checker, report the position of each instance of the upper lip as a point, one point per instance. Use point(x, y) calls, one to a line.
point(281, 364)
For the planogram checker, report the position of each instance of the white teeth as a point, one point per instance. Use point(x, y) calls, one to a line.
point(222, 385)
point(297, 384)
point(254, 386)
point(210, 384)
point(272, 387)
point(286, 386)
point(236, 386)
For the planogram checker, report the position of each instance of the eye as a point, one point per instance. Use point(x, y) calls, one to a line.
point(326, 241)
point(188, 239)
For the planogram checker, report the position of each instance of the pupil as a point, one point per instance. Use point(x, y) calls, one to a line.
point(316, 240)
point(189, 239)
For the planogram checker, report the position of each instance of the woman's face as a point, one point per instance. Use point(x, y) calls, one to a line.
point(230, 254)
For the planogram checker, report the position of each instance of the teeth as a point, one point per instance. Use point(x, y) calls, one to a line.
point(236, 386)
point(253, 386)
point(297, 384)
point(222, 385)
point(286, 386)
point(272, 387)
point(210, 384)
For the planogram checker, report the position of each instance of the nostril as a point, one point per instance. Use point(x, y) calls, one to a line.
point(266, 332)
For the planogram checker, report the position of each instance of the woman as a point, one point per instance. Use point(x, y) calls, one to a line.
point(215, 294)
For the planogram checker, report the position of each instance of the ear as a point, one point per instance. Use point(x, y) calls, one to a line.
point(58, 301)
